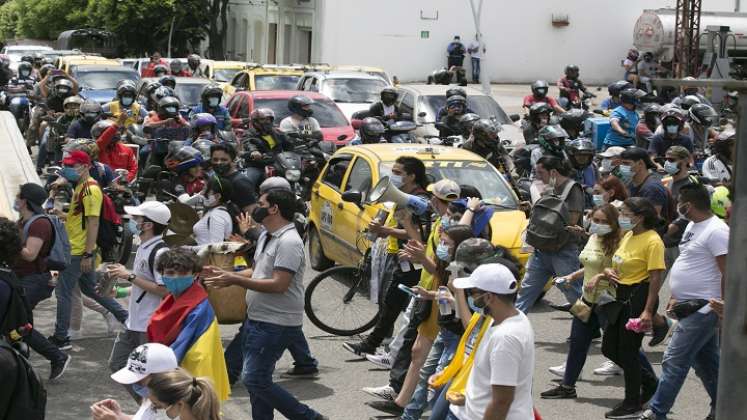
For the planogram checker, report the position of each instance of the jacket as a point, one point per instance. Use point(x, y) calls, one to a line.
point(253, 142)
point(377, 110)
point(116, 154)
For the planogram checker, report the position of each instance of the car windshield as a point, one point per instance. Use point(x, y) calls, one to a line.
point(482, 105)
point(103, 79)
point(275, 82)
point(189, 93)
point(225, 75)
point(481, 175)
point(353, 90)
point(325, 111)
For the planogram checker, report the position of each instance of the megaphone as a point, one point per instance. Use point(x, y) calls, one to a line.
point(384, 191)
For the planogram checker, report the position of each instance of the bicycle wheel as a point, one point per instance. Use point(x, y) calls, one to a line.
point(338, 301)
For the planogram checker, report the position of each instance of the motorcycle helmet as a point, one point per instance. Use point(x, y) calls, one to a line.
point(98, 128)
point(648, 56)
point(456, 91)
point(4, 60)
point(126, 92)
point(629, 96)
point(371, 130)
point(724, 143)
point(27, 58)
point(389, 96)
point(301, 105)
point(162, 92)
point(720, 201)
point(90, 111)
point(573, 120)
point(458, 102)
point(615, 88)
point(24, 70)
point(688, 101)
point(203, 120)
point(71, 105)
point(193, 60)
point(689, 90)
point(537, 110)
point(38, 57)
point(572, 71)
point(441, 77)
point(263, 120)
point(703, 115)
point(176, 66)
point(44, 70)
point(63, 87)
point(672, 121)
point(88, 146)
point(211, 96)
point(183, 159)
point(580, 153)
point(466, 122)
point(150, 88)
point(540, 88)
point(552, 139)
point(485, 132)
point(168, 81)
point(160, 70)
point(168, 107)
point(633, 54)
point(203, 146)
point(652, 115)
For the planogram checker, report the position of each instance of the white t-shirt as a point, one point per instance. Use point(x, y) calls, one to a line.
point(474, 48)
point(214, 227)
point(147, 412)
point(505, 357)
point(141, 303)
point(293, 125)
point(695, 274)
point(715, 170)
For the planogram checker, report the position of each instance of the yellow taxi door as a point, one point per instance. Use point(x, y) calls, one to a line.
point(353, 219)
point(325, 198)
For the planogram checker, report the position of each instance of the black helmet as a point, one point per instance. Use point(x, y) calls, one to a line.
point(175, 65)
point(552, 139)
point(652, 109)
point(211, 91)
point(193, 60)
point(571, 71)
point(389, 96)
point(466, 121)
point(63, 87)
point(455, 91)
point(90, 111)
point(540, 88)
point(162, 92)
point(538, 109)
point(724, 142)
point(689, 101)
point(456, 101)
point(441, 77)
point(485, 131)
point(168, 107)
point(703, 115)
point(183, 158)
point(371, 130)
point(126, 88)
point(580, 152)
point(24, 69)
point(45, 69)
point(98, 128)
point(263, 119)
point(27, 58)
point(168, 81)
point(629, 96)
point(573, 120)
point(615, 88)
point(297, 103)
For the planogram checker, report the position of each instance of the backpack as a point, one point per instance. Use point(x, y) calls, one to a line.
point(59, 254)
point(151, 262)
point(29, 399)
point(110, 223)
point(547, 223)
point(18, 319)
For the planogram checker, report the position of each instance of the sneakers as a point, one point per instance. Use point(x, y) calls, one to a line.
point(560, 392)
point(557, 370)
point(624, 411)
point(381, 360)
point(58, 368)
point(660, 332)
point(389, 407)
point(385, 392)
point(647, 415)
point(61, 344)
point(608, 368)
point(302, 372)
point(358, 349)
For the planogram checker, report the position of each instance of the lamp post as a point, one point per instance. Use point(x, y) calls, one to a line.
point(476, 15)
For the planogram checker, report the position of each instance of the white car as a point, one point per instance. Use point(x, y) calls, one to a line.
point(15, 52)
point(351, 91)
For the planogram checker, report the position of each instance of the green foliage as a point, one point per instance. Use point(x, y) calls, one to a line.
point(9, 16)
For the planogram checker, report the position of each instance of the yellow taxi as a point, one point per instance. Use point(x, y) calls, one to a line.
point(223, 71)
point(337, 227)
point(267, 77)
point(69, 62)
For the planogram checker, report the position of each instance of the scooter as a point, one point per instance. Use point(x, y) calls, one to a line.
point(16, 100)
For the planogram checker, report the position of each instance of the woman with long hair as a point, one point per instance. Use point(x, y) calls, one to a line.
point(183, 395)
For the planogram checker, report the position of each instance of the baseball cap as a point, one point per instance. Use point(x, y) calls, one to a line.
point(144, 360)
point(35, 196)
point(77, 157)
point(638, 153)
point(274, 183)
point(445, 189)
point(153, 210)
point(494, 278)
point(613, 151)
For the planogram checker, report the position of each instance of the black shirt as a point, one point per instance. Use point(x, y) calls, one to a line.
point(243, 189)
point(656, 192)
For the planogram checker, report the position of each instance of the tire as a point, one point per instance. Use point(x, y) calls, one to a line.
point(324, 302)
point(318, 261)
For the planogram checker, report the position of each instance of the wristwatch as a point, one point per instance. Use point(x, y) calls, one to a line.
point(87, 255)
point(131, 277)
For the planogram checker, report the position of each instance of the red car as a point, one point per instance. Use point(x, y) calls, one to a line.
point(331, 119)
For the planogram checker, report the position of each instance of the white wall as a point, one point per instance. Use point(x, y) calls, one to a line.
point(522, 43)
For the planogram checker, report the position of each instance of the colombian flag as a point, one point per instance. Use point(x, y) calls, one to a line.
point(188, 325)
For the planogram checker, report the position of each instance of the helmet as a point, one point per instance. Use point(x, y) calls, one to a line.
point(168, 81)
point(720, 201)
point(633, 54)
point(472, 253)
point(88, 146)
point(211, 91)
point(652, 109)
point(98, 128)
point(466, 122)
point(371, 130)
point(71, 105)
point(162, 92)
point(571, 71)
point(297, 103)
point(648, 56)
point(456, 100)
point(259, 114)
point(203, 145)
point(90, 111)
point(38, 57)
point(485, 131)
point(126, 88)
point(28, 59)
point(455, 91)
point(552, 139)
point(540, 88)
point(45, 69)
point(724, 143)
point(202, 120)
point(63, 87)
point(160, 70)
point(175, 65)
point(24, 69)
point(441, 76)
point(193, 60)
point(182, 159)
point(388, 96)
point(573, 120)
point(538, 109)
point(703, 115)
point(615, 88)
point(689, 101)
point(168, 107)
point(150, 88)
point(580, 152)
point(629, 96)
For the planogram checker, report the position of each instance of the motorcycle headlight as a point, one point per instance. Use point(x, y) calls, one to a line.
point(293, 175)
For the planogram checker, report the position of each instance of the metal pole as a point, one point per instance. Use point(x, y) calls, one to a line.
point(266, 47)
point(476, 16)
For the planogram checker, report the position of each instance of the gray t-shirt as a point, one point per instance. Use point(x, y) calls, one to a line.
point(281, 250)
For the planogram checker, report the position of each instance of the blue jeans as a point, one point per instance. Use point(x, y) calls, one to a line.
point(87, 281)
point(543, 265)
point(694, 344)
point(440, 355)
point(475, 69)
point(451, 416)
point(264, 344)
point(440, 409)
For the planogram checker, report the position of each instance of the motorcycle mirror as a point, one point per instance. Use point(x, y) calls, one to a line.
point(514, 117)
point(353, 196)
point(422, 114)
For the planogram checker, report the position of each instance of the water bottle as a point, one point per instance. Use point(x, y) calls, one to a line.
point(444, 306)
point(380, 217)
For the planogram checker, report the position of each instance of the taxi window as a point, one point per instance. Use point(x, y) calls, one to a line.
point(360, 177)
point(336, 171)
point(407, 103)
point(239, 81)
point(314, 87)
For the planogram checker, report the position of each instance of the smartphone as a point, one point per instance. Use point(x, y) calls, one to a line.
point(407, 290)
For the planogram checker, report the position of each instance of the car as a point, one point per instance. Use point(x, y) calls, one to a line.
point(422, 102)
point(351, 91)
point(374, 71)
point(15, 52)
point(337, 221)
point(141, 63)
point(222, 71)
point(267, 77)
point(68, 63)
point(188, 89)
point(99, 83)
point(128, 62)
point(335, 127)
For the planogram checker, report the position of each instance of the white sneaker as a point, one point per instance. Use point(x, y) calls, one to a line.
point(381, 360)
point(113, 326)
point(384, 392)
point(608, 368)
point(557, 370)
point(75, 335)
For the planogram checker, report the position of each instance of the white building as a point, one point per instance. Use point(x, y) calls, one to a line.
point(525, 41)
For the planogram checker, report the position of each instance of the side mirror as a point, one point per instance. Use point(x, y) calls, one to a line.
point(353, 196)
point(342, 137)
point(422, 114)
point(514, 117)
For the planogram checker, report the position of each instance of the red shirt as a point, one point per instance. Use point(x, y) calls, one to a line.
point(149, 70)
point(530, 100)
point(115, 154)
point(183, 73)
point(41, 228)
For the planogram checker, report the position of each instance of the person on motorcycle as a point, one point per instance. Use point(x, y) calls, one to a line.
point(301, 123)
point(160, 70)
point(125, 102)
point(261, 141)
point(54, 145)
point(614, 89)
point(630, 64)
point(672, 122)
point(371, 131)
point(687, 102)
point(177, 69)
point(156, 95)
point(690, 91)
point(193, 64)
point(718, 167)
point(573, 121)
point(449, 124)
point(108, 137)
point(210, 103)
point(155, 60)
point(702, 120)
point(90, 113)
point(147, 99)
point(466, 122)
point(386, 109)
point(539, 94)
point(646, 127)
point(456, 91)
point(538, 118)
point(623, 121)
point(486, 143)
point(24, 77)
point(5, 72)
point(186, 163)
point(168, 81)
point(570, 85)
point(167, 122)
point(101, 172)
point(203, 127)
point(62, 87)
point(580, 153)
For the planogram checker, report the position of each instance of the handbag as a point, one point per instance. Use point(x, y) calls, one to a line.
point(581, 310)
point(684, 308)
point(421, 310)
point(608, 308)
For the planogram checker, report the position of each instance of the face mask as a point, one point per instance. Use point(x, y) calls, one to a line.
point(600, 229)
point(477, 306)
point(396, 180)
point(210, 201)
point(683, 210)
point(672, 129)
point(213, 102)
point(16, 206)
point(597, 199)
point(260, 213)
point(127, 101)
point(70, 174)
point(305, 113)
point(606, 165)
point(222, 168)
point(24, 74)
point(445, 223)
point(443, 252)
point(625, 223)
point(141, 390)
point(671, 167)
point(626, 172)
point(178, 284)
point(135, 228)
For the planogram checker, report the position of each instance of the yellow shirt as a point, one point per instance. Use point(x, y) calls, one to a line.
point(594, 260)
point(429, 328)
point(115, 109)
point(270, 141)
point(392, 244)
point(637, 255)
point(87, 195)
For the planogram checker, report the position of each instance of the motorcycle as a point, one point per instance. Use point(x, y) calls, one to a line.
point(400, 132)
point(16, 100)
point(122, 194)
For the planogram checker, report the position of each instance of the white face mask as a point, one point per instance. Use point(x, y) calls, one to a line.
point(606, 165)
point(671, 167)
point(600, 229)
point(672, 129)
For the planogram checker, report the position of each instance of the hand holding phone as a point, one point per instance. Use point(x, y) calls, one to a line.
point(407, 290)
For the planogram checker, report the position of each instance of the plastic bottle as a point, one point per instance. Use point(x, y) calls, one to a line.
point(444, 306)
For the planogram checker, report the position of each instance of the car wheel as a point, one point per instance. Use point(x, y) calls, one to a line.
point(318, 261)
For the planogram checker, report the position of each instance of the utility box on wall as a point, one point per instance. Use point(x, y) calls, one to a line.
point(560, 20)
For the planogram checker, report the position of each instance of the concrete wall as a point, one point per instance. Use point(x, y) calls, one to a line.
point(522, 43)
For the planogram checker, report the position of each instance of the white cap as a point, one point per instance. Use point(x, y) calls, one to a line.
point(613, 151)
point(494, 278)
point(274, 183)
point(153, 210)
point(144, 360)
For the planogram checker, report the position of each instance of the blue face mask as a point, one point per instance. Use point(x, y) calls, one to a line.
point(396, 180)
point(70, 174)
point(671, 167)
point(127, 101)
point(443, 252)
point(141, 390)
point(445, 222)
point(626, 172)
point(178, 284)
point(134, 227)
point(213, 102)
point(625, 223)
point(597, 199)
